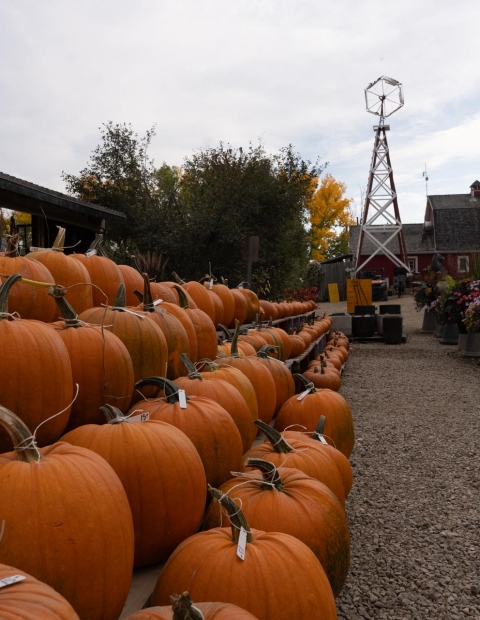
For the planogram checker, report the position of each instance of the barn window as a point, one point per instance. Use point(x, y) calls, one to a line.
point(462, 264)
point(412, 264)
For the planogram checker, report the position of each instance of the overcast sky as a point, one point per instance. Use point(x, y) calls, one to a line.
point(235, 71)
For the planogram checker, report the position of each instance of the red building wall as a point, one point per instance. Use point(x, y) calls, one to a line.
point(380, 260)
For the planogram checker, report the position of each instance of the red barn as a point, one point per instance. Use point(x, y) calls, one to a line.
point(451, 228)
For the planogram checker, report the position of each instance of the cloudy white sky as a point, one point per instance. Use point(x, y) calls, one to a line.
point(205, 71)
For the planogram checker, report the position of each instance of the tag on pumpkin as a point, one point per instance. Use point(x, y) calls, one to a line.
point(182, 399)
point(9, 581)
point(242, 543)
point(322, 439)
point(143, 417)
point(157, 301)
point(303, 394)
point(211, 284)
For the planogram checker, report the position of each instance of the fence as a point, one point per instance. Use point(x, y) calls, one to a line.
point(333, 273)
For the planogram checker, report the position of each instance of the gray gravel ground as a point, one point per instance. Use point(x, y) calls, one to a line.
point(414, 509)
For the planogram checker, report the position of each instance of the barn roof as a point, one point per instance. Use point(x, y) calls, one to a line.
point(416, 240)
point(456, 221)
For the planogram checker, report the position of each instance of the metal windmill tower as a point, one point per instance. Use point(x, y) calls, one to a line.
point(381, 214)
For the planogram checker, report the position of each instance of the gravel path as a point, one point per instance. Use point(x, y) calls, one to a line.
point(414, 509)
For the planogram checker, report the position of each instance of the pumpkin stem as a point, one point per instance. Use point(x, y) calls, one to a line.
point(234, 344)
point(189, 365)
point(112, 414)
point(236, 516)
point(269, 473)
point(183, 608)
point(4, 291)
point(147, 301)
point(278, 441)
point(120, 300)
point(177, 278)
point(23, 442)
point(59, 242)
point(71, 317)
point(169, 388)
point(138, 295)
point(308, 384)
point(226, 331)
point(182, 298)
point(318, 432)
point(12, 246)
point(265, 350)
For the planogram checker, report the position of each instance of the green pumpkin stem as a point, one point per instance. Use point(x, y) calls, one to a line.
point(147, 301)
point(182, 298)
point(226, 331)
point(189, 365)
point(278, 441)
point(20, 436)
point(112, 413)
point(269, 473)
point(4, 291)
point(318, 432)
point(308, 384)
point(178, 279)
point(70, 316)
point(169, 388)
point(265, 350)
point(183, 608)
point(236, 516)
point(234, 344)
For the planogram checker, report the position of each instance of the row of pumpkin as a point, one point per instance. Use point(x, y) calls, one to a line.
point(214, 463)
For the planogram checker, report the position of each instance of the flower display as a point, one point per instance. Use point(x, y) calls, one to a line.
point(472, 316)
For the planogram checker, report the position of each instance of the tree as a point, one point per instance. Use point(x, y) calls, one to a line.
point(202, 212)
point(330, 216)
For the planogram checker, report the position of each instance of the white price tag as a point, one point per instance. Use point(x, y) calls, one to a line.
point(322, 439)
point(143, 417)
point(8, 581)
point(157, 301)
point(91, 253)
point(182, 399)
point(211, 284)
point(303, 394)
point(242, 543)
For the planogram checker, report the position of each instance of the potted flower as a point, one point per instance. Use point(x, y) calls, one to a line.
point(472, 323)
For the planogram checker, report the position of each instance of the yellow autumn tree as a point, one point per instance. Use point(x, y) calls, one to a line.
point(330, 216)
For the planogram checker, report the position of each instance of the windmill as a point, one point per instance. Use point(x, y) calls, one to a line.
point(381, 214)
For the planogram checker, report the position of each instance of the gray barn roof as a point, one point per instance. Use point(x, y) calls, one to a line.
point(416, 240)
point(456, 220)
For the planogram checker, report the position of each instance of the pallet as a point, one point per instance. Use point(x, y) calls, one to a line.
point(374, 338)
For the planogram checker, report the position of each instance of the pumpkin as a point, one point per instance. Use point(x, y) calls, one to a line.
point(31, 302)
point(143, 338)
point(340, 460)
point(227, 299)
point(205, 422)
point(253, 305)
point(67, 272)
point(174, 332)
point(272, 338)
point(282, 377)
point(260, 377)
point(200, 296)
point(101, 365)
point(183, 609)
point(297, 345)
point(36, 373)
point(269, 309)
point(161, 290)
point(298, 454)
point(284, 337)
point(105, 275)
point(241, 307)
point(323, 377)
point(203, 325)
point(225, 348)
point(28, 598)
point(338, 416)
point(212, 371)
point(133, 281)
point(264, 583)
point(68, 522)
point(289, 501)
point(225, 395)
point(165, 461)
point(185, 320)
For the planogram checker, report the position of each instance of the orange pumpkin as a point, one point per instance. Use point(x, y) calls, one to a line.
point(284, 383)
point(25, 599)
point(289, 501)
point(133, 281)
point(165, 461)
point(253, 305)
point(67, 522)
point(204, 328)
point(264, 584)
